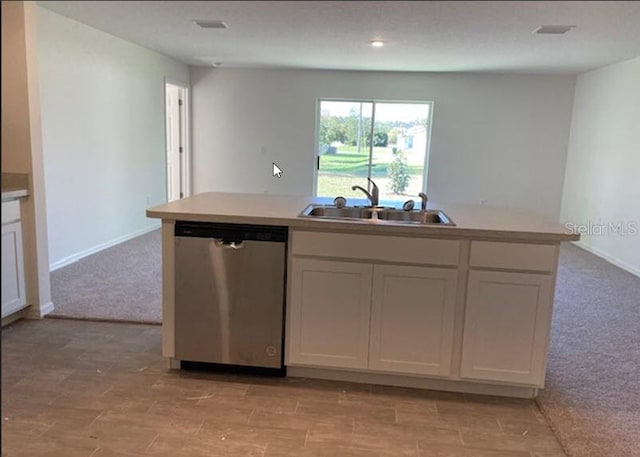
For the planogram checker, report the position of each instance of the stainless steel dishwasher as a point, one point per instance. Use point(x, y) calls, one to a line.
point(229, 295)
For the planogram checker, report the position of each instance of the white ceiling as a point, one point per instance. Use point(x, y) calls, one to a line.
point(421, 36)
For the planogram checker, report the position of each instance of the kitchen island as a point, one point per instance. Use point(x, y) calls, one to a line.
point(462, 308)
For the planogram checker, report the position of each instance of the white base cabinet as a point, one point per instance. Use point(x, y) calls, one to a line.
point(329, 313)
point(379, 317)
point(13, 289)
point(412, 318)
point(353, 305)
point(506, 327)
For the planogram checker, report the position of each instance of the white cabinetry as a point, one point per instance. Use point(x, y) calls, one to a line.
point(506, 327)
point(508, 314)
point(412, 319)
point(374, 316)
point(13, 290)
point(354, 304)
point(329, 313)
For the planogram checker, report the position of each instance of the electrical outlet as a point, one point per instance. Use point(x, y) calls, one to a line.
point(148, 200)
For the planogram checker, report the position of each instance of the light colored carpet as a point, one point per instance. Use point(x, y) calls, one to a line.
point(592, 394)
point(592, 397)
point(121, 283)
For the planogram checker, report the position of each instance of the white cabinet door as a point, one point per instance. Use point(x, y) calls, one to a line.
point(412, 318)
point(13, 294)
point(328, 313)
point(506, 327)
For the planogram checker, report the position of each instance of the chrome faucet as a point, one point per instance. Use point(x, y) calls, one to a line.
point(373, 196)
point(423, 204)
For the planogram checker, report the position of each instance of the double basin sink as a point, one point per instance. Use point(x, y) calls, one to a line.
point(416, 217)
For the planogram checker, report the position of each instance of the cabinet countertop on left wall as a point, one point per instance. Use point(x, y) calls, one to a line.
point(14, 186)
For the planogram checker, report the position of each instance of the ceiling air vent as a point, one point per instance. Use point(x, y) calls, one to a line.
point(211, 24)
point(553, 29)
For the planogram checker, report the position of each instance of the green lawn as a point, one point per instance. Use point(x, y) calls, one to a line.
point(334, 185)
point(338, 172)
point(349, 163)
point(345, 163)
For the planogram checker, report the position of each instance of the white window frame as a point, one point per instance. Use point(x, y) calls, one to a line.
point(427, 154)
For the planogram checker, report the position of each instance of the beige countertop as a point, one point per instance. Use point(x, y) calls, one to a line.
point(479, 222)
point(14, 185)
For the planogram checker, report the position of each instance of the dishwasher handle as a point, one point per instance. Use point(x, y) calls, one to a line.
point(221, 243)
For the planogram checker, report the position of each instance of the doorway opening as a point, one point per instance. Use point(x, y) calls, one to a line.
point(177, 141)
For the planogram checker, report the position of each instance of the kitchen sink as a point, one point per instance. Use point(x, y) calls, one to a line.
point(389, 215)
point(333, 212)
point(431, 216)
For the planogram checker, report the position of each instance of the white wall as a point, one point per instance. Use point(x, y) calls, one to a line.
point(495, 137)
point(103, 134)
point(602, 184)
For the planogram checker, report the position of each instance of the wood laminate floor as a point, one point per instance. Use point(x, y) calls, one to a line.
point(96, 389)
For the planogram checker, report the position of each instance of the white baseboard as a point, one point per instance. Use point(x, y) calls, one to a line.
point(100, 247)
point(46, 309)
point(39, 313)
point(613, 260)
point(412, 381)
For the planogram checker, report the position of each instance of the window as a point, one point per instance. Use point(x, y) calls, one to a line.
point(386, 141)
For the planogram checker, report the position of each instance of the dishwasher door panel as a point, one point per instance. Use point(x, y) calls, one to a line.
point(229, 303)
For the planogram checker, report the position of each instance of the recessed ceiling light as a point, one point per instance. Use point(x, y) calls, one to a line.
point(376, 43)
point(207, 24)
point(553, 29)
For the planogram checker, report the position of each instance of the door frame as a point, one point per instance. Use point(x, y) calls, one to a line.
point(185, 134)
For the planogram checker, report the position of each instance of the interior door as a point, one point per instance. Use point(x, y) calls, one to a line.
point(174, 169)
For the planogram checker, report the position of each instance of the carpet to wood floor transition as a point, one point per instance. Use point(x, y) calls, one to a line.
point(121, 283)
point(592, 394)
